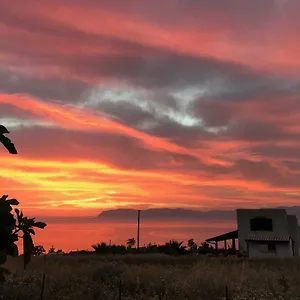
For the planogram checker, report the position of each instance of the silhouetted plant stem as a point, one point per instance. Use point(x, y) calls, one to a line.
point(43, 286)
point(226, 292)
point(120, 290)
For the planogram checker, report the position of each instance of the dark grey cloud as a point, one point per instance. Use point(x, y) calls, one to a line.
point(213, 113)
point(184, 135)
point(153, 123)
point(292, 165)
point(217, 80)
point(254, 86)
point(254, 171)
point(158, 70)
point(280, 152)
point(265, 172)
point(257, 130)
point(126, 112)
point(42, 88)
point(277, 97)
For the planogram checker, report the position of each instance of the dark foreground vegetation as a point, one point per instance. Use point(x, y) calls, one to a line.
point(149, 277)
point(173, 247)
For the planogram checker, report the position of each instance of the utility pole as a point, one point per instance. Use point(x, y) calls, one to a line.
point(138, 231)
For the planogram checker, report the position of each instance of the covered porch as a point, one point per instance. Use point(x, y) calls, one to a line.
point(227, 239)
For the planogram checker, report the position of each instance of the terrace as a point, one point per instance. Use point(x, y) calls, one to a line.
point(225, 237)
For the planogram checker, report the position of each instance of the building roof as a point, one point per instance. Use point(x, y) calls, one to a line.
point(225, 236)
point(265, 209)
point(266, 238)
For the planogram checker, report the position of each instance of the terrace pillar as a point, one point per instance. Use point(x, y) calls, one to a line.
point(233, 245)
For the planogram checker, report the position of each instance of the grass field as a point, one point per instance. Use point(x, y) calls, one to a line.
point(152, 277)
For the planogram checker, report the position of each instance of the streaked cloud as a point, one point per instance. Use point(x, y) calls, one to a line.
point(113, 104)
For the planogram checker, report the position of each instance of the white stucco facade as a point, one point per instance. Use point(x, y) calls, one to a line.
point(283, 250)
point(267, 233)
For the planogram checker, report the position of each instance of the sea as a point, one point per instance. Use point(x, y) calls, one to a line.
point(72, 234)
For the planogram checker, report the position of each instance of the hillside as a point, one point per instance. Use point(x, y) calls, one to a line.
point(166, 214)
point(177, 214)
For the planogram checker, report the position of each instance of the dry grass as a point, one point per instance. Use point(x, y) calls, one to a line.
point(149, 277)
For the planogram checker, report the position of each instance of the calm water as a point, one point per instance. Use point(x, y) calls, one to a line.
point(81, 234)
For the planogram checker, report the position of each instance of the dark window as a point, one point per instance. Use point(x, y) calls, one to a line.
point(263, 248)
point(271, 247)
point(261, 224)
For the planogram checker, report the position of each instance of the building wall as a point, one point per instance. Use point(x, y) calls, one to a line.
point(294, 233)
point(283, 250)
point(278, 216)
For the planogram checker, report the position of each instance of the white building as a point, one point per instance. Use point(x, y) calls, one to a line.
point(267, 233)
point(262, 233)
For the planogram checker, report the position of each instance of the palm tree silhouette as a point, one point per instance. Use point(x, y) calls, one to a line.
point(130, 243)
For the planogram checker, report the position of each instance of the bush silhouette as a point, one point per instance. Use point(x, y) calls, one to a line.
point(38, 250)
point(173, 247)
point(103, 248)
point(192, 246)
point(51, 250)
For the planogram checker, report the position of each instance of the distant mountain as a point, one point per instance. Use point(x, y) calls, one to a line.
point(169, 214)
point(166, 214)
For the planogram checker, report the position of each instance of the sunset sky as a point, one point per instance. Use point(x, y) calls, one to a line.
point(138, 103)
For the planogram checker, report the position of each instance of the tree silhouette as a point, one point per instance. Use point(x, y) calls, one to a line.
point(11, 226)
point(26, 226)
point(130, 243)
